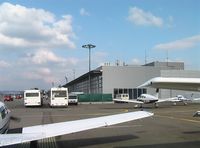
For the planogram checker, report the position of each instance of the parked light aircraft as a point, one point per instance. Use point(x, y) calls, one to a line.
point(145, 99)
point(34, 133)
point(190, 84)
point(180, 98)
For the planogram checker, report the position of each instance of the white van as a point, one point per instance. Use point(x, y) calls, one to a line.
point(122, 96)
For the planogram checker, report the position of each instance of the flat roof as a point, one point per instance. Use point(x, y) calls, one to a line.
point(84, 76)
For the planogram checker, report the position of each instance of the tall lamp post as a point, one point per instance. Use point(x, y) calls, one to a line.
point(89, 46)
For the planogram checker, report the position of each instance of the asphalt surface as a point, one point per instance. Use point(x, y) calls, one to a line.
point(171, 126)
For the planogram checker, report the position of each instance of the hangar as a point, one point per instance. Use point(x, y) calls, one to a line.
point(118, 79)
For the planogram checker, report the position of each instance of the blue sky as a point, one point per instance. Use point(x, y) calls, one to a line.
point(40, 40)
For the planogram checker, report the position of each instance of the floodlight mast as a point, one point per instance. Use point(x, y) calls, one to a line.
point(89, 46)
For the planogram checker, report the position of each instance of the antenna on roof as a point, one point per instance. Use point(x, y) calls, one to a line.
point(74, 73)
point(167, 57)
point(145, 58)
point(66, 79)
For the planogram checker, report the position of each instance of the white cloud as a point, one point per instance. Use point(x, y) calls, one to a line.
point(170, 22)
point(140, 17)
point(42, 74)
point(47, 57)
point(44, 56)
point(4, 64)
point(179, 44)
point(83, 12)
point(22, 28)
point(136, 61)
point(171, 19)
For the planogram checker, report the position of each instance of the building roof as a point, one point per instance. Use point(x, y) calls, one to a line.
point(92, 73)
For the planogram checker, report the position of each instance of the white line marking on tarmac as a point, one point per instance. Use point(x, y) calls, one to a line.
point(182, 119)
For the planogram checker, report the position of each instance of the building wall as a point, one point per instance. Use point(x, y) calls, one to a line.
point(127, 77)
point(130, 77)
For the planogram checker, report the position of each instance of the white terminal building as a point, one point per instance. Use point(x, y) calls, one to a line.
point(120, 79)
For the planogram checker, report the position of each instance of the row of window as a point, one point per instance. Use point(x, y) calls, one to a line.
point(134, 93)
point(83, 86)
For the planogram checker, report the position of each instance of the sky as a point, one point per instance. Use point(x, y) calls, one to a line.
point(41, 40)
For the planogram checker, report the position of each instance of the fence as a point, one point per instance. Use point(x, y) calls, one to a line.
point(95, 97)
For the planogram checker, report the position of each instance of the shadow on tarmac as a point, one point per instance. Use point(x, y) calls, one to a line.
point(192, 132)
point(192, 144)
point(93, 141)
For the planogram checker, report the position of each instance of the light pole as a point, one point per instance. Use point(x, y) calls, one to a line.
point(89, 46)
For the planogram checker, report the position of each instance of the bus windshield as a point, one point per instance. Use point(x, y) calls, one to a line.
point(59, 93)
point(32, 94)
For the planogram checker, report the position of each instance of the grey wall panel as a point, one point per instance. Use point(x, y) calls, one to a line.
point(126, 76)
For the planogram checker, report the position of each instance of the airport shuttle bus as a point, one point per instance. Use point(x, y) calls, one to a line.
point(58, 96)
point(32, 98)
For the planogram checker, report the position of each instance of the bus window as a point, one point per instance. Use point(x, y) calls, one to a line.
point(59, 93)
point(32, 94)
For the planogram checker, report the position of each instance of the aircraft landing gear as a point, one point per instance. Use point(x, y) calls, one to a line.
point(156, 105)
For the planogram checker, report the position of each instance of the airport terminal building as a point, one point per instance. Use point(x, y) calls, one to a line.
point(118, 79)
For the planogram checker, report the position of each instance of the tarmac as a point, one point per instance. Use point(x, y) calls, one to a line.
point(171, 126)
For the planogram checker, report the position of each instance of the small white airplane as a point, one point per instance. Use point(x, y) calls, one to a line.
point(34, 133)
point(180, 98)
point(145, 99)
point(190, 84)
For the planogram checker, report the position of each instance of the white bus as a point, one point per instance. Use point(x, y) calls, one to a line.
point(32, 98)
point(58, 96)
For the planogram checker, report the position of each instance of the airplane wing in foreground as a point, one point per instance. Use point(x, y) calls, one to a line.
point(128, 101)
point(56, 129)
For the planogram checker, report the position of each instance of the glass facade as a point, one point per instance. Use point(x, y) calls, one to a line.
point(134, 93)
point(83, 85)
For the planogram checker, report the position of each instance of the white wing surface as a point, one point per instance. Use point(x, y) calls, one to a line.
point(128, 101)
point(56, 129)
point(191, 84)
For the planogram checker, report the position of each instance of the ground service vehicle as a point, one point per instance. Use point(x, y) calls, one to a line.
point(73, 98)
point(32, 98)
point(122, 96)
point(58, 96)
